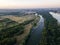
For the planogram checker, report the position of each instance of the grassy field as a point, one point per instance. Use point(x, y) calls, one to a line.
point(10, 20)
point(6, 23)
point(19, 19)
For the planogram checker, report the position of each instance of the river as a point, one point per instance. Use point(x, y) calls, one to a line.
point(56, 16)
point(36, 33)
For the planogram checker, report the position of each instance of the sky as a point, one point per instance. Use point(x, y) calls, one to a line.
point(4, 4)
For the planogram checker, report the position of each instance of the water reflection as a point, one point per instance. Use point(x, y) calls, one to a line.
point(36, 33)
point(56, 15)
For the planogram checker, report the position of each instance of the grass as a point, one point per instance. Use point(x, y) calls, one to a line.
point(19, 19)
point(11, 21)
point(5, 23)
point(21, 38)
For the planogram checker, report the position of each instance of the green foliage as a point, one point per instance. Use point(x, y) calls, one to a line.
point(51, 33)
point(35, 24)
point(8, 41)
point(7, 34)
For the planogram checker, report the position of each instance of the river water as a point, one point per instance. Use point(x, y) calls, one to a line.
point(56, 16)
point(36, 33)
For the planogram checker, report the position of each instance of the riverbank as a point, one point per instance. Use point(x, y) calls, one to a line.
point(22, 38)
point(35, 33)
point(50, 34)
point(33, 25)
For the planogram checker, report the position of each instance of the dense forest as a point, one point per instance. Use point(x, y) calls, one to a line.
point(51, 32)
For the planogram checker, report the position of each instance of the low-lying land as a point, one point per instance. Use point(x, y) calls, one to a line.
point(14, 30)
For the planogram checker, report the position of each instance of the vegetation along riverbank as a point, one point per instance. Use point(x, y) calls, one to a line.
point(51, 32)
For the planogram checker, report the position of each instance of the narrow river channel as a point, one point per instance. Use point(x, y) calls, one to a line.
point(36, 33)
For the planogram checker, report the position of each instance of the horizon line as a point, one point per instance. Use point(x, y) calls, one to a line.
point(30, 8)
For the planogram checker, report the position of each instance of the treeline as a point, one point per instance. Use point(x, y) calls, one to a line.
point(51, 32)
point(7, 35)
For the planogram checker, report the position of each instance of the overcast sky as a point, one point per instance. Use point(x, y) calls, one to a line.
point(29, 3)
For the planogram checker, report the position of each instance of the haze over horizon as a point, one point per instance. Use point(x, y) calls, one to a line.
point(13, 4)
